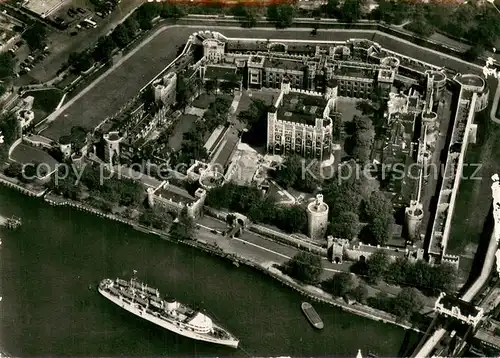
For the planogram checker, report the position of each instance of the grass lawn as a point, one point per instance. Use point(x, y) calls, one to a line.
point(203, 101)
point(183, 125)
point(45, 102)
point(474, 196)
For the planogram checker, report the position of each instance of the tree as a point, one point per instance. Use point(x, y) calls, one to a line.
point(104, 48)
point(378, 264)
point(342, 196)
point(291, 219)
point(474, 52)
point(80, 62)
point(377, 205)
point(398, 271)
point(171, 11)
point(14, 170)
point(6, 65)
point(155, 218)
point(132, 26)
point(120, 36)
point(443, 278)
point(35, 36)
point(184, 228)
point(30, 172)
point(345, 225)
point(145, 15)
point(360, 293)
point(185, 90)
point(351, 10)
point(378, 231)
point(246, 15)
point(340, 284)
point(282, 15)
point(362, 139)
point(408, 301)
point(305, 266)
point(332, 8)
point(289, 172)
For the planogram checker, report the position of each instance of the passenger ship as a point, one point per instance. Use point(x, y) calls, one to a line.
point(146, 302)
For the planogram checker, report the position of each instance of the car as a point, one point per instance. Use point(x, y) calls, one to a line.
point(74, 33)
point(23, 72)
point(99, 14)
point(214, 231)
point(80, 10)
point(70, 14)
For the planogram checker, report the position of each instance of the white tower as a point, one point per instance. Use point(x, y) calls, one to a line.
point(151, 197)
point(317, 215)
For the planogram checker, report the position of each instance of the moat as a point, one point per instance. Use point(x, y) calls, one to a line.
point(50, 267)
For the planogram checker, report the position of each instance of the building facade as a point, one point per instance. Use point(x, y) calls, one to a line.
point(174, 199)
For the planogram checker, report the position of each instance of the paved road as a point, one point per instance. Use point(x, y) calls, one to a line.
point(255, 246)
point(107, 94)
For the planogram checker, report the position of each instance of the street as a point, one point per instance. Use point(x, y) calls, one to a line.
point(254, 246)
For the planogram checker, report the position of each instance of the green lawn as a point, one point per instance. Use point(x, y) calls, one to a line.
point(45, 102)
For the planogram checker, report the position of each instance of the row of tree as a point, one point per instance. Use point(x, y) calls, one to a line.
point(251, 202)
point(157, 218)
point(94, 183)
point(308, 268)
point(430, 279)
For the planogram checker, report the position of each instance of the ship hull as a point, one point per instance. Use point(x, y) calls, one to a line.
point(165, 324)
point(312, 316)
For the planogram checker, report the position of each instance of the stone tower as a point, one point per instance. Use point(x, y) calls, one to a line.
point(317, 215)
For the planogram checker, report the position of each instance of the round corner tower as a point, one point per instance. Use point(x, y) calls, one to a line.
point(317, 217)
point(414, 215)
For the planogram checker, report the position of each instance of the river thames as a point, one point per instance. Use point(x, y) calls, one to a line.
point(50, 307)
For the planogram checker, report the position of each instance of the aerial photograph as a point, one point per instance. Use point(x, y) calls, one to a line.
point(250, 178)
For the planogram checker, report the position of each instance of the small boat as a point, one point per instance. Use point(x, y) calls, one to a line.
point(312, 315)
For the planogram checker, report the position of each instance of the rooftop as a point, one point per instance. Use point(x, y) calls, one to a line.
point(321, 208)
point(246, 46)
point(354, 72)
point(466, 308)
point(220, 72)
point(285, 64)
point(176, 194)
point(438, 76)
point(301, 108)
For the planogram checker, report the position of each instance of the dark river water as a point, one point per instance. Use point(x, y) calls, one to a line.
point(50, 266)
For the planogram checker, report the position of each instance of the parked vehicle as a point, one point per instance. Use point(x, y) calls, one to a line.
point(80, 10)
point(74, 33)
